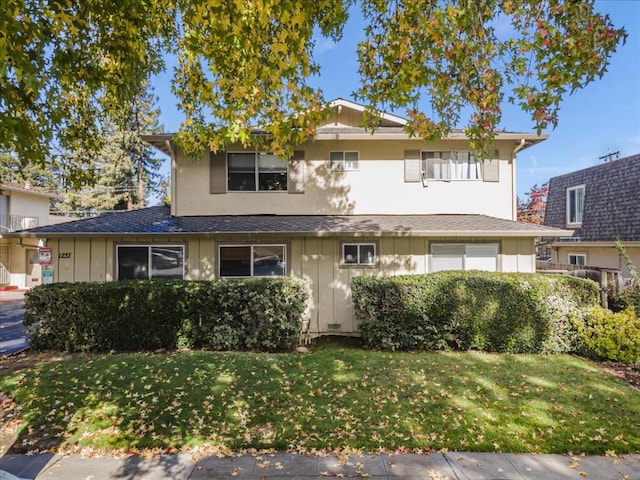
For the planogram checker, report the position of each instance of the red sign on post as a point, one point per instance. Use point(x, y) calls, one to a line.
point(44, 256)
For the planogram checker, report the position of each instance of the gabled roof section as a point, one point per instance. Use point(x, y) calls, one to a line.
point(346, 109)
point(611, 201)
point(346, 123)
point(158, 221)
point(36, 192)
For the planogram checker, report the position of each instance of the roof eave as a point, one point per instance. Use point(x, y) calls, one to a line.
point(28, 191)
point(592, 243)
point(160, 141)
point(320, 233)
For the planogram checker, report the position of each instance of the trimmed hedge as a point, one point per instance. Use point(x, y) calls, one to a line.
point(253, 314)
point(498, 312)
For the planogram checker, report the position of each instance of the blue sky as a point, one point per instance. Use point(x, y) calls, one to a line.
point(602, 118)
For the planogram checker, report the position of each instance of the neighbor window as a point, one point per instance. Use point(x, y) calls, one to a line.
point(343, 161)
point(252, 260)
point(575, 205)
point(577, 259)
point(359, 254)
point(450, 166)
point(255, 171)
point(464, 256)
point(143, 262)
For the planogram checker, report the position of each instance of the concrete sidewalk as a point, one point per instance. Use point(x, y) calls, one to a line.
point(12, 335)
point(436, 466)
point(10, 295)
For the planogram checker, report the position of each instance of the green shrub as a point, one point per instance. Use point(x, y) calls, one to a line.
point(392, 313)
point(629, 297)
point(502, 312)
point(611, 336)
point(257, 314)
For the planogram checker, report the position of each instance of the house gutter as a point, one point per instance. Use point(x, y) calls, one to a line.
point(542, 232)
point(514, 207)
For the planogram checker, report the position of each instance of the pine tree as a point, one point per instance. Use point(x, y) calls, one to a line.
point(127, 172)
point(20, 171)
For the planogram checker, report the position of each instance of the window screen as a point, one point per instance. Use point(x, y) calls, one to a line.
point(461, 256)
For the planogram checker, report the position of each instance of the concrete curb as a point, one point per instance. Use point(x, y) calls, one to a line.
point(435, 466)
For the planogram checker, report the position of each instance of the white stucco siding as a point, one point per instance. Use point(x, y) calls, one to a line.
point(377, 187)
point(602, 256)
point(26, 205)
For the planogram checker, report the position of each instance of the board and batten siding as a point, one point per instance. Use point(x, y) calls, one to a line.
point(316, 259)
point(93, 260)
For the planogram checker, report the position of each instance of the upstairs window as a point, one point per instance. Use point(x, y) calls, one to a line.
point(255, 171)
point(575, 205)
point(451, 165)
point(342, 161)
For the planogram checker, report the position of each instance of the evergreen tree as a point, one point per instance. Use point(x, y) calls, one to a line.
point(126, 172)
point(20, 171)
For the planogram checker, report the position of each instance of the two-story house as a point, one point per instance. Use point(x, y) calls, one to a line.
point(347, 203)
point(21, 207)
point(599, 205)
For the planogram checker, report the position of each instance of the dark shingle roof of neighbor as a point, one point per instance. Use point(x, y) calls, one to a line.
point(158, 220)
point(611, 200)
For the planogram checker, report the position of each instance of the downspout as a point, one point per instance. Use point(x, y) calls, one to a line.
point(174, 167)
point(514, 207)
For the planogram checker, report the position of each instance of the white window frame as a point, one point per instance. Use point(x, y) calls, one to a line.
point(357, 263)
point(454, 161)
point(256, 172)
point(464, 258)
point(576, 256)
point(578, 221)
point(251, 260)
point(149, 247)
point(344, 165)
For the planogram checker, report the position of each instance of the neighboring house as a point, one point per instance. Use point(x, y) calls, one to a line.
point(347, 203)
point(600, 205)
point(21, 207)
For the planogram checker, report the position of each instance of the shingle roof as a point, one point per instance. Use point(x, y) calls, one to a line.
point(35, 191)
point(158, 220)
point(611, 201)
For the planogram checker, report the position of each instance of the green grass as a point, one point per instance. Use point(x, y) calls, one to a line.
point(334, 397)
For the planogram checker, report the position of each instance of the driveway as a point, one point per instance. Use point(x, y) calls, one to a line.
point(12, 336)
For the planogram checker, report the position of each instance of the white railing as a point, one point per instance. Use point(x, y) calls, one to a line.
point(5, 277)
point(11, 223)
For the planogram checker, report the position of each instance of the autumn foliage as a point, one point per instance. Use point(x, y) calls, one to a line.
point(533, 208)
point(241, 64)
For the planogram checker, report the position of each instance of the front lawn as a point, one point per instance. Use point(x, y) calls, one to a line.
point(334, 397)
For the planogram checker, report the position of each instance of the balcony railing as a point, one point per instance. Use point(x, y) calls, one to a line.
point(11, 223)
